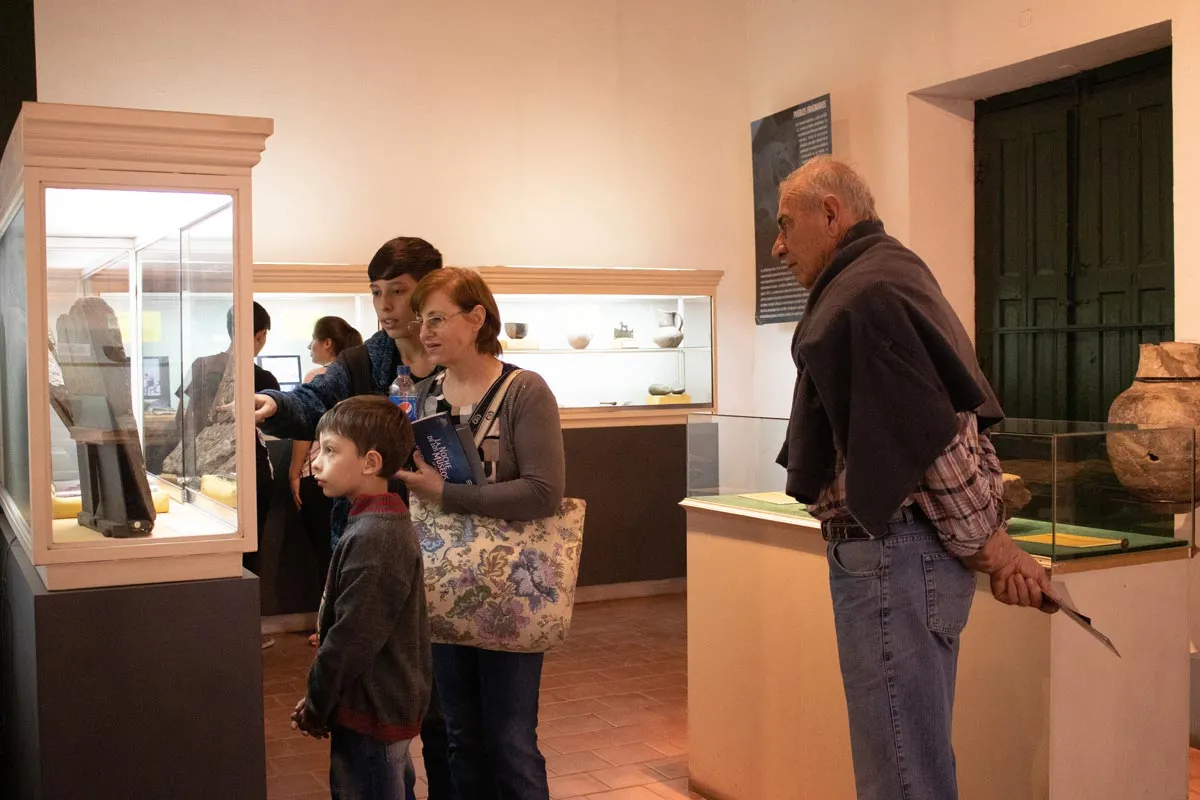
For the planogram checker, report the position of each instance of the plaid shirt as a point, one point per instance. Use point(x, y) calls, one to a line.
point(962, 493)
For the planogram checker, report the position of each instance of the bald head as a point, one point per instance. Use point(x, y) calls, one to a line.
point(818, 204)
point(825, 176)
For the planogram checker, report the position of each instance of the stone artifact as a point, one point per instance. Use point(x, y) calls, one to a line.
point(95, 401)
point(1016, 494)
point(1158, 466)
point(215, 448)
point(623, 332)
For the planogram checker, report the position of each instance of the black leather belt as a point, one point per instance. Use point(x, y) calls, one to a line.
point(848, 529)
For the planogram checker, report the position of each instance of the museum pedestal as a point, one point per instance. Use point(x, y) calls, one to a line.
point(1042, 710)
point(150, 691)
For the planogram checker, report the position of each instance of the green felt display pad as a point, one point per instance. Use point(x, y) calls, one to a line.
point(1017, 526)
point(793, 510)
point(1138, 542)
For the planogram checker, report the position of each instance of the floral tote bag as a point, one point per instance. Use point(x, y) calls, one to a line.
point(498, 584)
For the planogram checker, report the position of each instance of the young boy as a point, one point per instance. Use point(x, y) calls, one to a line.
point(368, 687)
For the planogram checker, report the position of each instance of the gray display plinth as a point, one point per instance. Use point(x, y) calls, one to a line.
point(148, 691)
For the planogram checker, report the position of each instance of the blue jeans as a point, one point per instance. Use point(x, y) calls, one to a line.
point(490, 701)
point(434, 752)
point(362, 768)
point(899, 605)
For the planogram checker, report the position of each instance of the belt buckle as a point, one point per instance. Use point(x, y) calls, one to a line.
point(858, 532)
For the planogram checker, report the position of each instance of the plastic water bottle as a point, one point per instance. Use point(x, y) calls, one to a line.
point(403, 392)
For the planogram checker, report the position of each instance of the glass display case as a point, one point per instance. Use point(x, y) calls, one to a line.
point(124, 423)
point(1072, 490)
point(1079, 490)
point(731, 466)
point(608, 341)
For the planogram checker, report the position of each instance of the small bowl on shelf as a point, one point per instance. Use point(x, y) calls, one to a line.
point(579, 340)
point(516, 330)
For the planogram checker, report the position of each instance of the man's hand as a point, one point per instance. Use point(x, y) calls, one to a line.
point(301, 722)
point(264, 407)
point(1017, 578)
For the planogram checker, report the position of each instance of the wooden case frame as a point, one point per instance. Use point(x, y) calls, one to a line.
point(66, 146)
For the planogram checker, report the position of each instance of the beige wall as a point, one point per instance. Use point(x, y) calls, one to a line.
point(540, 132)
point(609, 133)
point(917, 152)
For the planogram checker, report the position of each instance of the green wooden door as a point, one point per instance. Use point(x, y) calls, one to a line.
point(1073, 237)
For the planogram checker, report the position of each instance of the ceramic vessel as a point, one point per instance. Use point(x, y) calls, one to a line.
point(516, 330)
point(670, 329)
point(1164, 393)
point(579, 340)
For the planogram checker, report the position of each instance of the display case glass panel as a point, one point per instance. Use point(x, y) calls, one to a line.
point(613, 350)
point(594, 350)
point(293, 316)
point(731, 465)
point(1078, 490)
point(14, 401)
point(139, 300)
point(1072, 490)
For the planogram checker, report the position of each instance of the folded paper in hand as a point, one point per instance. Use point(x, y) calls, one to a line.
point(449, 448)
point(1060, 599)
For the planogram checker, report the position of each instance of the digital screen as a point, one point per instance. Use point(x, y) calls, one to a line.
point(286, 369)
point(156, 377)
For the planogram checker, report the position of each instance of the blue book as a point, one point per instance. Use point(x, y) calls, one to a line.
point(449, 449)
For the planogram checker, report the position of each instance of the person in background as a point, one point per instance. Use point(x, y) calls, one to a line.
point(370, 368)
point(200, 390)
point(330, 336)
point(887, 442)
point(368, 686)
point(489, 698)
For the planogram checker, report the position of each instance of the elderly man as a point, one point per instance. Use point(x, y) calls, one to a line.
point(887, 445)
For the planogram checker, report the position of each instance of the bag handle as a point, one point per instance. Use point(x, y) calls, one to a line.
point(489, 405)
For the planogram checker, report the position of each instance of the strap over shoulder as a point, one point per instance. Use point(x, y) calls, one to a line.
point(489, 406)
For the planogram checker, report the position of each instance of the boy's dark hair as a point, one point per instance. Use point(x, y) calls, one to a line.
point(404, 255)
point(262, 320)
point(372, 422)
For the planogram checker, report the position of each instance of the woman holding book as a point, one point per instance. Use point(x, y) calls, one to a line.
point(489, 698)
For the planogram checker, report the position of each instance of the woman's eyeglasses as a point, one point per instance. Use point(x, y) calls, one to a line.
point(433, 322)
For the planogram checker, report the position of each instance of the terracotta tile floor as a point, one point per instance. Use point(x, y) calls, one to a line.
point(613, 720)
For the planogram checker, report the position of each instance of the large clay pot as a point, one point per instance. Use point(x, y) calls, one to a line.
point(1158, 465)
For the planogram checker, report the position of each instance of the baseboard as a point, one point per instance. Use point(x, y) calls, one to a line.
point(632, 589)
point(289, 623)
